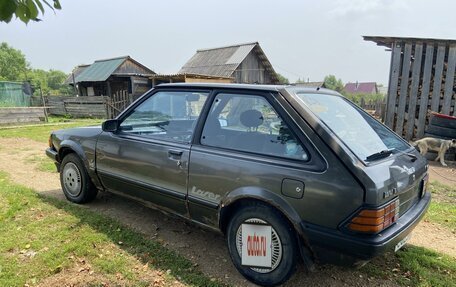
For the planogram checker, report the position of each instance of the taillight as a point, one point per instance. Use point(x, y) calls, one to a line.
point(50, 141)
point(375, 220)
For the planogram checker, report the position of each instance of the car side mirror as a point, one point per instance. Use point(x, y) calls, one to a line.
point(110, 126)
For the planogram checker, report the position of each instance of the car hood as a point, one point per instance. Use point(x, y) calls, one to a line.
point(80, 131)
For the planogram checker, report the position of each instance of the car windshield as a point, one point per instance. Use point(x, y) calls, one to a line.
point(367, 138)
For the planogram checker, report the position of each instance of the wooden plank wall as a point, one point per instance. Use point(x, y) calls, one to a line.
point(77, 107)
point(396, 59)
point(86, 107)
point(252, 71)
point(18, 115)
point(374, 107)
point(422, 79)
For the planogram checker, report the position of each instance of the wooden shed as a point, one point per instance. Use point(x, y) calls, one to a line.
point(245, 63)
point(188, 78)
point(310, 84)
point(111, 76)
point(421, 81)
point(107, 86)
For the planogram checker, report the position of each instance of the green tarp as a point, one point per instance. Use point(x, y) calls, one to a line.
point(14, 94)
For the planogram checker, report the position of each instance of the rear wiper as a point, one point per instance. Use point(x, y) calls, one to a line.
point(379, 155)
point(410, 155)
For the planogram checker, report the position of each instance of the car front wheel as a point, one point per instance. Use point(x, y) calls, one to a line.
point(75, 181)
point(259, 219)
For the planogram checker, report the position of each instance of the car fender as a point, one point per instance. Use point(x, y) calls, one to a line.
point(269, 197)
point(77, 148)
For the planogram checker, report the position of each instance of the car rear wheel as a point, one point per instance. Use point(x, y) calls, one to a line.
point(76, 183)
point(282, 244)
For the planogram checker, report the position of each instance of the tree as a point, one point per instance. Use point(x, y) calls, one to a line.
point(38, 79)
point(332, 83)
point(51, 82)
point(56, 82)
point(13, 65)
point(25, 10)
point(282, 79)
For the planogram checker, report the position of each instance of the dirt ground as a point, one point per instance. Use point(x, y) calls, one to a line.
point(442, 174)
point(206, 249)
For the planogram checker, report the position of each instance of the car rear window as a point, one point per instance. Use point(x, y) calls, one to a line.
point(361, 133)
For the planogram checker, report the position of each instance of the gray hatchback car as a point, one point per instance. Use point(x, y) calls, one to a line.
point(286, 173)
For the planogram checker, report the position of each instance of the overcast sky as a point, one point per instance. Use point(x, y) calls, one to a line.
point(302, 39)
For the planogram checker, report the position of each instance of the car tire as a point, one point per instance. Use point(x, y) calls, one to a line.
point(284, 267)
point(75, 181)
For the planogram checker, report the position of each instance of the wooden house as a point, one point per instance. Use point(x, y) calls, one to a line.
point(158, 79)
point(245, 63)
point(366, 88)
point(108, 77)
point(310, 84)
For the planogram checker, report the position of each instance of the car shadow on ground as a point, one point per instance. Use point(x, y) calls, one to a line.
point(205, 249)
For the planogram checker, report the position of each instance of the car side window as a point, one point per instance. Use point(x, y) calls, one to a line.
point(166, 115)
point(249, 123)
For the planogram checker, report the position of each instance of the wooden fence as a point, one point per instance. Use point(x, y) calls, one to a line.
point(77, 107)
point(84, 107)
point(374, 107)
point(18, 115)
point(117, 103)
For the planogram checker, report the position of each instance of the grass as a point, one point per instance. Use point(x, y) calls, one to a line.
point(418, 266)
point(43, 163)
point(414, 266)
point(41, 132)
point(41, 237)
point(443, 205)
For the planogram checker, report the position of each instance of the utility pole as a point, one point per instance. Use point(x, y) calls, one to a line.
point(44, 106)
point(74, 85)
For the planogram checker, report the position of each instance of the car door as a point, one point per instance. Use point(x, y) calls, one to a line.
point(147, 158)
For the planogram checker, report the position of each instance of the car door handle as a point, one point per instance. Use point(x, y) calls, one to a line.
point(175, 152)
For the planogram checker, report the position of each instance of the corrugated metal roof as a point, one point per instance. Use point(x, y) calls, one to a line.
point(76, 72)
point(240, 54)
point(218, 61)
point(100, 70)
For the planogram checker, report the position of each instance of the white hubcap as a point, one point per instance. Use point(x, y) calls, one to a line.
point(72, 179)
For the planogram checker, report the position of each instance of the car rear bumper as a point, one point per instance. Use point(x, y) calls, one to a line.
point(336, 247)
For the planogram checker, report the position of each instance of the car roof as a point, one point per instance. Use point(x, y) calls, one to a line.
point(224, 86)
point(290, 88)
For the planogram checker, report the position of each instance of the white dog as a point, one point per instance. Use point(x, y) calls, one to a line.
point(434, 144)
